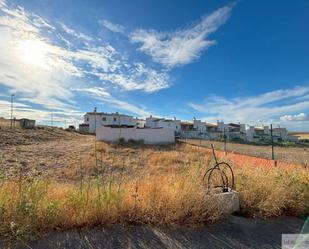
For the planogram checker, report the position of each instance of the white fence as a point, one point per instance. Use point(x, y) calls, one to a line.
point(148, 135)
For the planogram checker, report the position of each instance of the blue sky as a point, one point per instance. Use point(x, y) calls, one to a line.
point(241, 61)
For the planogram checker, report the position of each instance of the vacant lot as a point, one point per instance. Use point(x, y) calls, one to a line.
point(46, 151)
point(61, 182)
point(285, 154)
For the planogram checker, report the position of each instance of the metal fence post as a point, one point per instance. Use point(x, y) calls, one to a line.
point(272, 144)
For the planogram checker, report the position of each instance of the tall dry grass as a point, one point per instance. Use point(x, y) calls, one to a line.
point(32, 207)
point(143, 185)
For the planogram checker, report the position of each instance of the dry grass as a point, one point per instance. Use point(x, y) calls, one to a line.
point(297, 155)
point(132, 184)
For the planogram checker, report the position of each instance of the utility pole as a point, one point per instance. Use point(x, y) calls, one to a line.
point(95, 120)
point(12, 102)
point(272, 142)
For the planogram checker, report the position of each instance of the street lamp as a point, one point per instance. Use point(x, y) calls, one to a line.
point(12, 101)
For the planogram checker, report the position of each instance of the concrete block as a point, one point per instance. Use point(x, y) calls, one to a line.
point(226, 202)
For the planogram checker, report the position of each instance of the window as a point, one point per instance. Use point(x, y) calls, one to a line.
point(87, 119)
point(115, 119)
point(104, 119)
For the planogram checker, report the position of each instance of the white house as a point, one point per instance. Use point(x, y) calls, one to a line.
point(95, 119)
point(153, 122)
point(199, 125)
point(281, 133)
point(140, 123)
point(195, 129)
point(249, 129)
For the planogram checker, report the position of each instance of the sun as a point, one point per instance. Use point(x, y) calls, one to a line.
point(33, 52)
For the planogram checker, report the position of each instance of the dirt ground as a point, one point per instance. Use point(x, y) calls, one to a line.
point(46, 151)
point(61, 154)
point(16, 137)
point(64, 155)
point(286, 154)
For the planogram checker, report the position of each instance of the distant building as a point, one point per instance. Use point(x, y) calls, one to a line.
point(140, 123)
point(27, 123)
point(95, 119)
point(187, 126)
point(188, 129)
point(153, 122)
point(199, 125)
point(236, 131)
point(23, 123)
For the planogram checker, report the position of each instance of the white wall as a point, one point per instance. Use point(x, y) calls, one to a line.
point(150, 136)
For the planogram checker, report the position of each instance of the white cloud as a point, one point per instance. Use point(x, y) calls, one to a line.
point(112, 26)
point(297, 117)
point(43, 73)
point(262, 108)
point(139, 77)
point(102, 95)
point(22, 110)
point(75, 33)
point(184, 45)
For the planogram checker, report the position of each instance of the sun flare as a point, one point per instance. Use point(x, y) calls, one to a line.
point(33, 52)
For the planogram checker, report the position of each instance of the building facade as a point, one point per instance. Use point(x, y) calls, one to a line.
point(152, 122)
point(96, 119)
point(190, 129)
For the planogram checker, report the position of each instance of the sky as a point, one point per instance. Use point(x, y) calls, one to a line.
point(236, 61)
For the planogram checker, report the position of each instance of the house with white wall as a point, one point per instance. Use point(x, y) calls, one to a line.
point(140, 123)
point(249, 130)
point(235, 131)
point(191, 129)
point(153, 122)
point(95, 119)
point(199, 125)
point(112, 127)
point(216, 131)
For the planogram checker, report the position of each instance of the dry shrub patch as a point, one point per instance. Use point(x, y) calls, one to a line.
point(135, 184)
